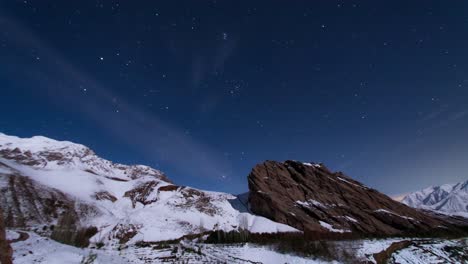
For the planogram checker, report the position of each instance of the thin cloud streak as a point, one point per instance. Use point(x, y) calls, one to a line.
point(133, 126)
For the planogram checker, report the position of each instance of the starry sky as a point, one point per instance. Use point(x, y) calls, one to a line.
point(204, 90)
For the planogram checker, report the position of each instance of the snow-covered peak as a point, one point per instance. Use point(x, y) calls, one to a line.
point(39, 144)
point(40, 152)
point(447, 198)
point(125, 203)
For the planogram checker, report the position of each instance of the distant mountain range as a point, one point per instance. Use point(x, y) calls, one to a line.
point(449, 199)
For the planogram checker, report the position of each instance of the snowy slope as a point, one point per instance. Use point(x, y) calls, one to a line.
point(448, 198)
point(126, 203)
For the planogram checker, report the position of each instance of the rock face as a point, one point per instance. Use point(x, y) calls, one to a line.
point(312, 198)
point(5, 249)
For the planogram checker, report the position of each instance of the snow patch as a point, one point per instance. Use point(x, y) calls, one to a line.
point(349, 218)
point(332, 229)
point(357, 185)
point(393, 213)
point(313, 202)
point(312, 165)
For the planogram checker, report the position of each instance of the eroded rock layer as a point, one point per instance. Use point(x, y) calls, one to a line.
point(312, 198)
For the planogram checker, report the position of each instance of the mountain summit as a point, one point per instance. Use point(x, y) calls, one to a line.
point(449, 199)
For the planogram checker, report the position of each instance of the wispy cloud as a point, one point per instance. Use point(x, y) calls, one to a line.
point(132, 125)
point(458, 115)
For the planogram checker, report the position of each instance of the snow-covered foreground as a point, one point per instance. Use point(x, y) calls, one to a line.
point(37, 249)
point(433, 252)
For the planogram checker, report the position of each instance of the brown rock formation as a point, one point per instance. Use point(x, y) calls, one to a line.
point(312, 198)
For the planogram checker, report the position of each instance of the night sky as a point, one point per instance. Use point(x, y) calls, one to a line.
point(204, 90)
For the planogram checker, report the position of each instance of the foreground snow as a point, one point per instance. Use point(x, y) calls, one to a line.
point(438, 251)
point(37, 249)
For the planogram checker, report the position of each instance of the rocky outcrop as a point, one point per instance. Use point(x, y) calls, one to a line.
point(148, 193)
point(312, 198)
point(143, 193)
point(69, 231)
point(26, 202)
point(29, 204)
point(5, 248)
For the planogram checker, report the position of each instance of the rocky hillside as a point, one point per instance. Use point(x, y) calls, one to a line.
point(449, 199)
point(312, 198)
point(65, 191)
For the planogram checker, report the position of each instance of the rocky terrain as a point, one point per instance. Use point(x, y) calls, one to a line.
point(451, 199)
point(312, 198)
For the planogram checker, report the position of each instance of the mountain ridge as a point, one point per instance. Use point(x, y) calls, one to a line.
point(64, 190)
point(312, 198)
point(449, 199)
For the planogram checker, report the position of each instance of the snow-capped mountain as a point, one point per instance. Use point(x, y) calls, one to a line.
point(66, 190)
point(448, 198)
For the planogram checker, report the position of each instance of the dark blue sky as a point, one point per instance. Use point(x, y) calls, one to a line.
point(204, 90)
